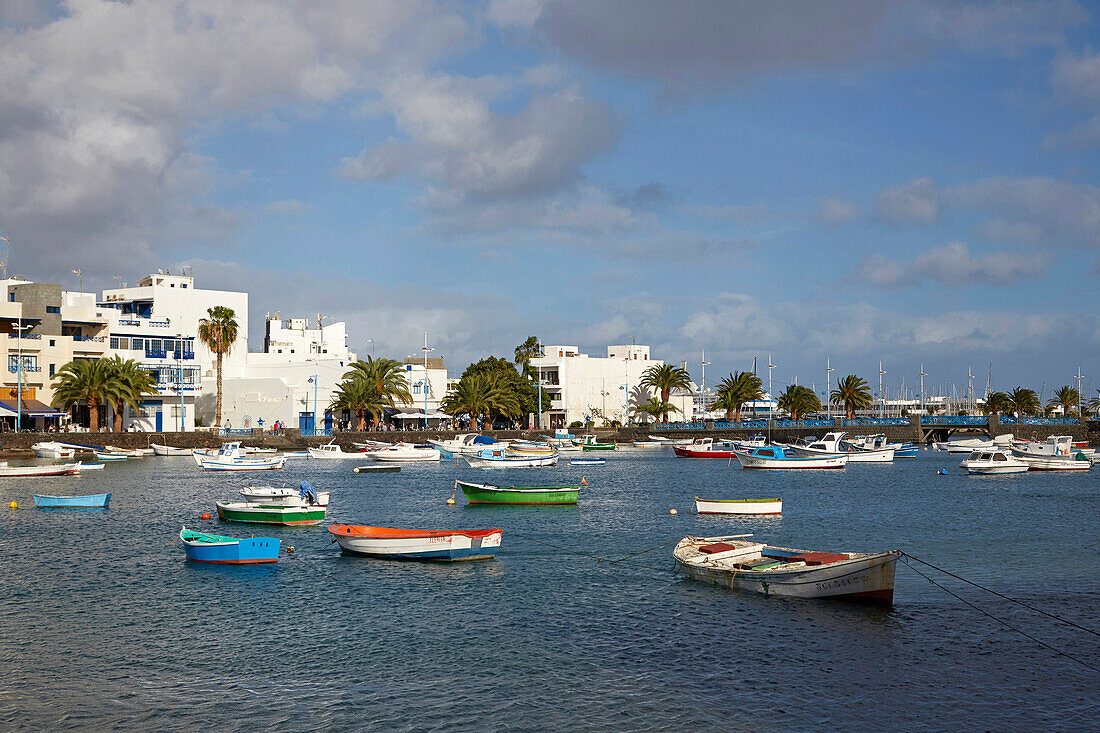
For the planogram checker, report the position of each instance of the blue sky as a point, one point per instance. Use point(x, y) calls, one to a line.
point(909, 181)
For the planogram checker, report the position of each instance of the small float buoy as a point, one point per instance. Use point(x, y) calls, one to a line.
point(13, 505)
point(451, 501)
point(671, 511)
point(205, 515)
point(290, 550)
point(943, 471)
point(356, 470)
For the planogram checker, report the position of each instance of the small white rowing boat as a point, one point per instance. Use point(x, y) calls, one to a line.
point(738, 506)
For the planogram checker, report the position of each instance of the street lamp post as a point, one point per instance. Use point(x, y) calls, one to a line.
point(179, 364)
point(1079, 377)
point(19, 374)
point(770, 367)
point(540, 384)
point(828, 387)
point(703, 363)
point(427, 384)
point(314, 379)
point(371, 342)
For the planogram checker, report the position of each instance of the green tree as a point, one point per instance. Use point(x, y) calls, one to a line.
point(1094, 403)
point(798, 401)
point(483, 394)
point(658, 409)
point(736, 390)
point(370, 386)
point(1023, 401)
point(83, 380)
point(664, 378)
point(218, 333)
point(1067, 397)
point(525, 352)
point(128, 385)
point(996, 402)
point(523, 393)
point(852, 392)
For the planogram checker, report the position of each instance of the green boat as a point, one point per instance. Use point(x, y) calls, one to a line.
point(257, 513)
point(534, 495)
point(590, 443)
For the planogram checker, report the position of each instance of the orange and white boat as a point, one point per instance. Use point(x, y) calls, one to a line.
point(417, 544)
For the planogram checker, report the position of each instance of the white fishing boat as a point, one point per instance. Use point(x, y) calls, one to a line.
point(670, 441)
point(251, 450)
point(370, 445)
point(1057, 463)
point(52, 449)
point(414, 544)
point(742, 507)
point(229, 458)
point(405, 453)
point(491, 458)
point(53, 469)
point(90, 466)
point(530, 448)
point(1054, 445)
point(833, 444)
point(777, 456)
point(735, 562)
point(965, 445)
point(108, 455)
point(304, 495)
point(167, 450)
point(466, 443)
point(993, 462)
point(130, 452)
point(648, 444)
point(331, 451)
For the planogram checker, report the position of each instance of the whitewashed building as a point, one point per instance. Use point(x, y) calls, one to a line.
point(582, 388)
point(156, 323)
point(291, 381)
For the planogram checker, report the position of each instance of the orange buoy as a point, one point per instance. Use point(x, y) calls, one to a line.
point(205, 515)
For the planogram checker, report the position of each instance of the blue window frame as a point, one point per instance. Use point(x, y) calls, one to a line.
point(53, 309)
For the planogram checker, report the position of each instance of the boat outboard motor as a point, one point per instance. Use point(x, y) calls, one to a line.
point(307, 492)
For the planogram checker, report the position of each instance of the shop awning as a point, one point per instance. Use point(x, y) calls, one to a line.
point(31, 408)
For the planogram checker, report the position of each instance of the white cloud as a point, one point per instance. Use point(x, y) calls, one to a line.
point(290, 207)
point(954, 265)
point(915, 202)
point(837, 211)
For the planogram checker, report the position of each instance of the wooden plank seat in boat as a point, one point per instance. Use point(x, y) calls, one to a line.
point(717, 547)
point(820, 558)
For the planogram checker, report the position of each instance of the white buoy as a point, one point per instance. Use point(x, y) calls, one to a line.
point(671, 511)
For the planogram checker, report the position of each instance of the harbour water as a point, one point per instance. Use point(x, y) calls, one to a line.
point(105, 625)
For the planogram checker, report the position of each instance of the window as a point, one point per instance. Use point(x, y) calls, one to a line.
point(53, 309)
point(52, 369)
point(115, 342)
point(137, 344)
point(53, 342)
point(11, 297)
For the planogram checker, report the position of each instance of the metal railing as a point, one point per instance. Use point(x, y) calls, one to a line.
point(864, 421)
point(98, 339)
point(14, 369)
point(24, 335)
point(163, 354)
point(954, 420)
point(316, 432)
point(1028, 420)
point(813, 423)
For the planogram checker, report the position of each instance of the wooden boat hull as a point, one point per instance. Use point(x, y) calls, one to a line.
point(256, 464)
point(404, 455)
point(1057, 463)
point(332, 455)
point(739, 506)
point(750, 461)
point(250, 513)
point(384, 468)
point(91, 501)
point(167, 450)
point(587, 461)
point(598, 446)
point(861, 577)
point(405, 544)
point(60, 469)
point(529, 462)
point(877, 455)
point(995, 470)
point(52, 450)
point(684, 451)
point(530, 496)
point(229, 550)
point(100, 456)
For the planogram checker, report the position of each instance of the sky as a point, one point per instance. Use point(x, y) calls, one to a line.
point(912, 182)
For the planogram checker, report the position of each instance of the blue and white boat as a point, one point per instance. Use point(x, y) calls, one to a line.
point(108, 455)
point(496, 458)
point(587, 461)
point(91, 501)
point(778, 456)
point(212, 548)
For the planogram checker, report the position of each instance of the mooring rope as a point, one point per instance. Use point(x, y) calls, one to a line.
point(1002, 595)
point(950, 592)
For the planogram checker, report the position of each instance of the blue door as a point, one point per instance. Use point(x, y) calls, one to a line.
point(305, 423)
point(160, 421)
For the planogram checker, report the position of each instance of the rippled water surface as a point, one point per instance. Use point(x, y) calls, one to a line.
point(105, 624)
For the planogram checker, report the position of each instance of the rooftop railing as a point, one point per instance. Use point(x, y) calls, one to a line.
point(1028, 420)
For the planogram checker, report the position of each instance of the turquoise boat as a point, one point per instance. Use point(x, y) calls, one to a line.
point(91, 501)
point(212, 548)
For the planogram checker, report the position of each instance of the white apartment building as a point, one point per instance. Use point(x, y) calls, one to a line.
point(156, 323)
point(428, 385)
point(292, 380)
point(581, 388)
point(42, 328)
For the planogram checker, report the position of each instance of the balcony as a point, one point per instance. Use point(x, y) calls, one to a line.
point(25, 336)
point(163, 354)
point(137, 321)
point(13, 368)
point(96, 339)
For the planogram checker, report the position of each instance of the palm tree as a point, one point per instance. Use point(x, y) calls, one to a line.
point(83, 380)
point(664, 378)
point(852, 392)
point(1094, 403)
point(1067, 397)
point(525, 352)
point(475, 395)
point(996, 402)
point(1023, 401)
point(356, 396)
point(128, 385)
point(218, 333)
point(659, 410)
point(799, 401)
point(383, 385)
point(737, 389)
